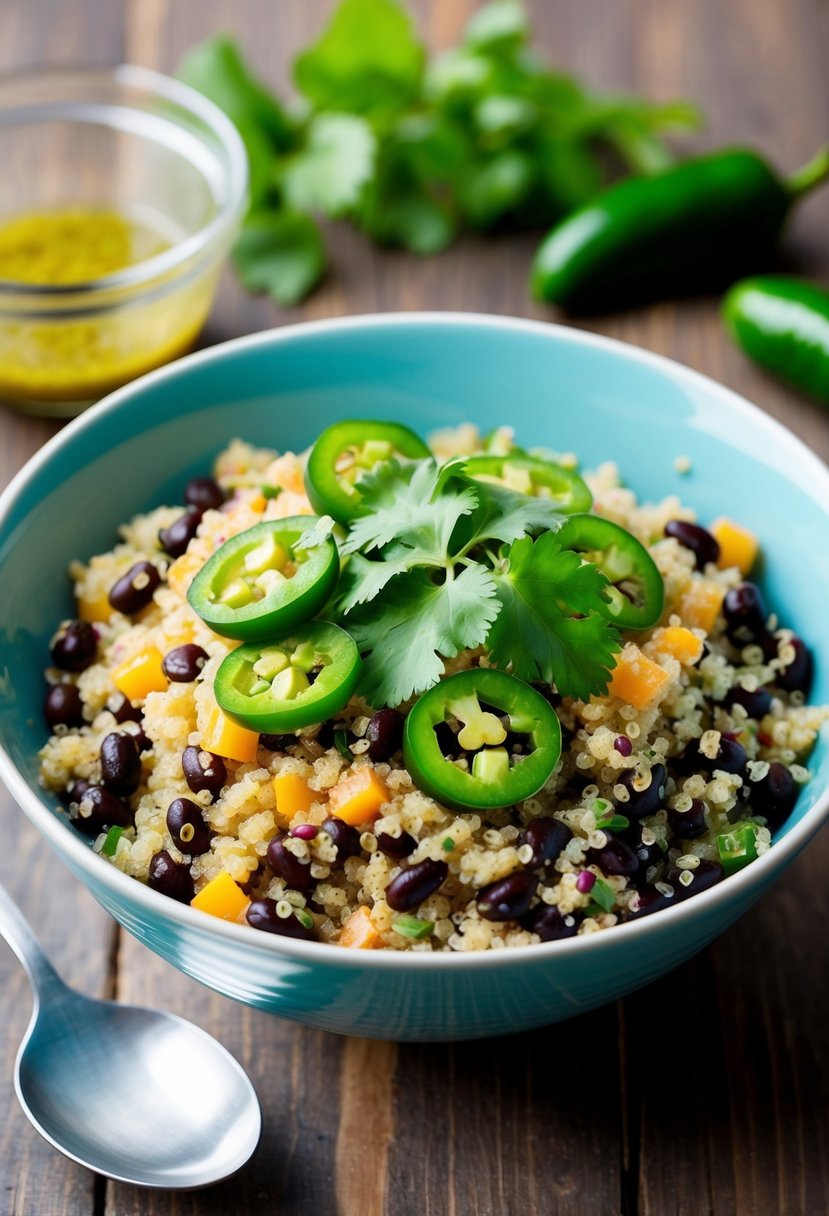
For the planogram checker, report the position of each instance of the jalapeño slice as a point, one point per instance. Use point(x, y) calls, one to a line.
point(260, 584)
point(636, 593)
point(498, 775)
point(533, 476)
point(344, 453)
point(280, 686)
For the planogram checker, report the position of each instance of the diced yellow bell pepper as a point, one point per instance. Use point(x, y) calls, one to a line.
point(637, 679)
point(358, 796)
point(140, 675)
point(680, 643)
point(700, 604)
point(258, 503)
point(182, 572)
point(293, 795)
point(222, 897)
point(738, 546)
point(358, 933)
point(226, 738)
point(94, 610)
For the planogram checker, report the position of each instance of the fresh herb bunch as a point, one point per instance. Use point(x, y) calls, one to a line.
point(439, 563)
point(415, 151)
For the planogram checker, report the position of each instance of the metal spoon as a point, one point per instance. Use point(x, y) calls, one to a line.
point(140, 1096)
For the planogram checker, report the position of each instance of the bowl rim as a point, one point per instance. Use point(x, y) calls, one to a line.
point(227, 213)
point(125, 890)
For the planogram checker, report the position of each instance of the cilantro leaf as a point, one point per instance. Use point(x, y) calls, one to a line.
point(363, 579)
point(414, 505)
point(499, 23)
point(280, 252)
point(330, 172)
point(412, 623)
point(536, 633)
point(367, 61)
point(507, 515)
point(215, 67)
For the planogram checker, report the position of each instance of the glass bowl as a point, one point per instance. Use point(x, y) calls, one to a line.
point(130, 141)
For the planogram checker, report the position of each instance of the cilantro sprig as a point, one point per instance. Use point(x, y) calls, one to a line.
point(439, 563)
point(414, 151)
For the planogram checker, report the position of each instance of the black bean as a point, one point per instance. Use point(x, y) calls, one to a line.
point(262, 914)
point(76, 647)
point(396, 846)
point(120, 763)
point(77, 789)
point(705, 875)
point(296, 873)
point(63, 706)
point(691, 823)
point(615, 857)
point(175, 539)
point(277, 743)
point(756, 703)
point(642, 802)
point(745, 614)
point(123, 710)
point(547, 838)
point(203, 771)
point(204, 493)
point(137, 733)
point(509, 898)
point(98, 810)
point(344, 837)
point(730, 757)
point(415, 883)
point(384, 734)
point(171, 878)
point(699, 540)
point(134, 590)
point(797, 677)
point(650, 900)
point(549, 923)
point(183, 664)
point(185, 823)
point(774, 795)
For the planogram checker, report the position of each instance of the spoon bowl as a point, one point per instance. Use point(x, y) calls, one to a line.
point(138, 1095)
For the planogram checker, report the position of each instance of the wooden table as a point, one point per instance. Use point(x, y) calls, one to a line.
point(709, 1091)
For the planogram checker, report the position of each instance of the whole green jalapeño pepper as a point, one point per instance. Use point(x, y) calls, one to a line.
point(344, 453)
point(534, 476)
point(299, 680)
point(261, 582)
point(783, 324)
point(636, 593)
point(497, 775)
point(695, 227)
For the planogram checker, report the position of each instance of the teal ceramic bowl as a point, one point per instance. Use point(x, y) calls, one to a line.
point(566, 389)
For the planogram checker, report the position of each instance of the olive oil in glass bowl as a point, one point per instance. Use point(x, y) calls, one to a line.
point(123, 191)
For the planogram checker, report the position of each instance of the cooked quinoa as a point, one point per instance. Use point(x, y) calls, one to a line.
point(723, 701)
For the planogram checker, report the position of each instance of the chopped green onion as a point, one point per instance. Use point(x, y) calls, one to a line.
point(603, 894)
point(413, 927)
point(341, 744)
point(448, 844)
point(600, 807)
point(304, 918)
point(612, 823)
point(738, 847)
point(270, 491)
point(111, 842)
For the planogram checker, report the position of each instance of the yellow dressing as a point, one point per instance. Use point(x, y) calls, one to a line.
point(75, 245)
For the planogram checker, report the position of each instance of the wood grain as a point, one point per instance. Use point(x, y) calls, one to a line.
point(707, 1092)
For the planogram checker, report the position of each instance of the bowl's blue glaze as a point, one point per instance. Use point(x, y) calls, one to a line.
point(557, 387)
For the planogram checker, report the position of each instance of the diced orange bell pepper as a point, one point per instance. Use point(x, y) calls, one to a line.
point(94, 610)
point(226, 738)
point(678, 642)
point(140, 675)
point(738, 546)
point(258, 503)
point(637, 679)
point(700, 604)
point(358, 933)
point(222, 897)
point(358, 796)
point(182, 572)
point(293, 795)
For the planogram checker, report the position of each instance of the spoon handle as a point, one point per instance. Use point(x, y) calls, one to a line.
point(15, 929)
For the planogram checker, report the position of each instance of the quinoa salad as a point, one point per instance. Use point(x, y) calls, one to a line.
point(453, 697)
